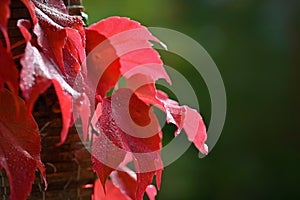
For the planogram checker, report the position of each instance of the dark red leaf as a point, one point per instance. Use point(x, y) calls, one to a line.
point(59, 36)
point(4, 15)
point(19, 146)
point(37, 74)
point(65, 102)
point(58, 32)
point(52, 47)
point(56, 4)
point(9, 72)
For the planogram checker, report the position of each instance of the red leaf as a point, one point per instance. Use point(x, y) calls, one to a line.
point(120, 133)
point(122, 185)
point(24, 26)
point(37, 75)
point(126, 124)
point(126, 180)
point(58, 32)
point(111, 192)
point(9, 72)
point(144, 87)
point(4, 15)
point(56, 4)
point(119, 46)
point(59, 36)
point(151, 192)
point(30, 7)
point(185, 118)
point(19, 146)
point(65, 102)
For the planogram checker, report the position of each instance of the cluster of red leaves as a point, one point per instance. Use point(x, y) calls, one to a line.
point(57, 46)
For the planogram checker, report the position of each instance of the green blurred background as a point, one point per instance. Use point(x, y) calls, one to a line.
point(256, 46)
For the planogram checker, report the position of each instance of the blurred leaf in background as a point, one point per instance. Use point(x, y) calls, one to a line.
point(256, 45)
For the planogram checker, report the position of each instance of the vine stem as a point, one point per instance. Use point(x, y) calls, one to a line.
point(18, 56)
point(17, 44)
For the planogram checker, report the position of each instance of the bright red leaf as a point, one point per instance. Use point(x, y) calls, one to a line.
point(30, 7)
point(118, 46)
point(111, 192)
point(151, 192)
point(122, 185)
point(183, 117)
point(119, 133)
point(19, 146)
point(126, 180)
